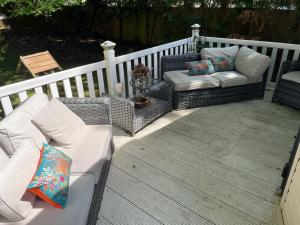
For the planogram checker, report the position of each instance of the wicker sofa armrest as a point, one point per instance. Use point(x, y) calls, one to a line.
point(123, 112)
point(93, 111)
point(176, 62)
point(288, 66)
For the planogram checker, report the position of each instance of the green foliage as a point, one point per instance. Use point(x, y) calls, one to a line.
point(17, 8)
point(3, 47)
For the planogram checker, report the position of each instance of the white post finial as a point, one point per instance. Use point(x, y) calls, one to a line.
point(196, 30)
point(110, 62)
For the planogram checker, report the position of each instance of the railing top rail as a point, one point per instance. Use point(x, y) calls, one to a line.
point(278, 45)
point(48, 79)
point(134, 55)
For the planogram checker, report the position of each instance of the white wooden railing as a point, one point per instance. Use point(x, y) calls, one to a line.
point(91, 80)
point(95, 79)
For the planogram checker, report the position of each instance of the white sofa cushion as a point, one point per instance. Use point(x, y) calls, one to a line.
point(3, 158)
point(15, 202)
point(251, 63)
point(292, 76)
point(77, 209)
point(183, 82)
point(90, 150)
point(17, 126)
point(207, 53)
point(59, 123)
point(232, 78)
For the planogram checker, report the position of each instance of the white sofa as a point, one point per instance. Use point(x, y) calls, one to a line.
point(91, 154)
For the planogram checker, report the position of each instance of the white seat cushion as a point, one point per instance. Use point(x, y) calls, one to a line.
point(15, 202)
point(3, 158)
point(292, 76)
point(90, 150)
point(76, 211)
point(17, 126)
point(232, 78)
point(207, 53)
point(251, 63)
point(59, 123)
point(183, 82)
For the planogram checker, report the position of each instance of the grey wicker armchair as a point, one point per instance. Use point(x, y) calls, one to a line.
point(287, 89)
point(94, 111)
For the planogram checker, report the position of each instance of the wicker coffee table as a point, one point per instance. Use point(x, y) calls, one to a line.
point(133, 119)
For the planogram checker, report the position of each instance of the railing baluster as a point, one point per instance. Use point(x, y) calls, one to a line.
point(296, 55)
point(171, 51)
point(79, 86)
point(283, 58)
point(6, 105)
point(180, 49)
point(254, 48)
point(176, 50)
point(156, 72)
point(211, 44)
point(54, 90)
point(22, 96)
point(143, 61)
point(272, 63)
point(100, 81)
point(185, 48)
point(135, 61)
point(122, 77)
point(91, 85)
point(149, 60)
point(219, 45)
point(166, 52)
point(38, 90)
point(128, 66)
point(264, 50)
point(227, 45)
point(67, 88)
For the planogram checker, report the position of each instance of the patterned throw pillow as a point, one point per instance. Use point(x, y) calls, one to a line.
point(223, 63)
point(51, 179)
point(202, 67)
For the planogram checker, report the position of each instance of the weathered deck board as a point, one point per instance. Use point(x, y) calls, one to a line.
point(185, 194)
point(213, 165)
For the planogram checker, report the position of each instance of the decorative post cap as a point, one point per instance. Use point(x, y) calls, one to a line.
point(108, 45)
point(196, 26)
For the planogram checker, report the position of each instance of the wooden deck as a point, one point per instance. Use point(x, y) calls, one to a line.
point(214, 165)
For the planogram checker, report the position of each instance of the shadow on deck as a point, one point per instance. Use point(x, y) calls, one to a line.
point(213, 165)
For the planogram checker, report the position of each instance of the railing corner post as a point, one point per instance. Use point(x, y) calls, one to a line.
point(110, 64)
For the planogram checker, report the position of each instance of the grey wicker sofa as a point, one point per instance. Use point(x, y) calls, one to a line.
point(91, 153)
point(215, 93)
point(287, 89)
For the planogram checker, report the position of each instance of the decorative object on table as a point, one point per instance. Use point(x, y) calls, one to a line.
point(140, 81)
point(202, 67)
point(51, 180)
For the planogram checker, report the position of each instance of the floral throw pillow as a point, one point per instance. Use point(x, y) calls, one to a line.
point(223, 63)
point(202, 67)
point(51, 179)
